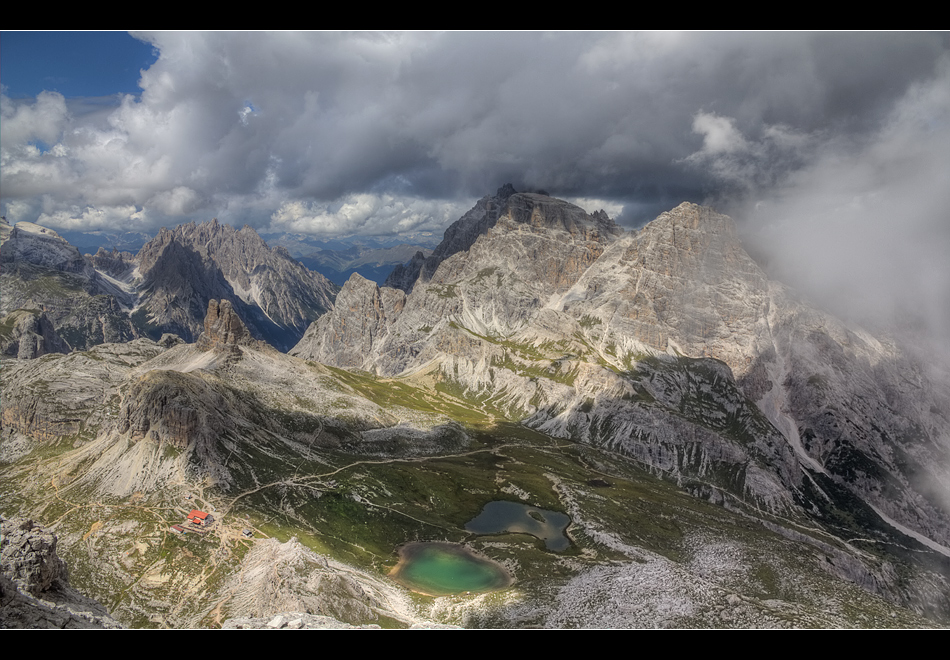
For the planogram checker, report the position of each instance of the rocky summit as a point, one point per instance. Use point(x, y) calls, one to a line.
point(180, 270)
point(742, 457)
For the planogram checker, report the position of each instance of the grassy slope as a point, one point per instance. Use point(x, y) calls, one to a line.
point(360, 509)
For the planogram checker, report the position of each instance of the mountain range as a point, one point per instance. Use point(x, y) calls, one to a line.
point(743, 456)
point(165, 288)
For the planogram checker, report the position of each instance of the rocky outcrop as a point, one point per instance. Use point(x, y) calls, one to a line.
point(363, 315)
point(34, 583)
point(29, 556)
point(224, 328)
point(28, 334)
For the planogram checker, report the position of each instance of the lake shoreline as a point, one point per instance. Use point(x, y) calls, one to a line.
point(456, 554)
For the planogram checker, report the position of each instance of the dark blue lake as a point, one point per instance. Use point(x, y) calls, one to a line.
point(515, 518)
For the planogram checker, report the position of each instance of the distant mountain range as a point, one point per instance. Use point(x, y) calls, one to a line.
point(372, 263)
point(165, 288)
point(373, 257)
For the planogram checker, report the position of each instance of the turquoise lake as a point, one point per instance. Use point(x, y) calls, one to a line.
point(440, 569)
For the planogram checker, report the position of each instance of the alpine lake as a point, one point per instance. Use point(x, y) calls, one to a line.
point(440, 569)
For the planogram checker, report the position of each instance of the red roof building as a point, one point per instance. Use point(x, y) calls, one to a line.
point(199, 517)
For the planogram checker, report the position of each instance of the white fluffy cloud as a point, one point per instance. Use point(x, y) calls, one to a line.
point(367, 214)
point(24, 123)
point(90, 218)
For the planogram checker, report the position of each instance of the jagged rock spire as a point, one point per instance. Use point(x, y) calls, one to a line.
point(223, 327)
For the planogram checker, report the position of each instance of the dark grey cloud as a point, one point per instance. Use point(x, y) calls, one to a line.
point(292, 128)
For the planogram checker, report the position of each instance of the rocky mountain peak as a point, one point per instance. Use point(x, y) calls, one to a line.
point(276, 296)
point(223, 327)
point(691, 226)
point(544, 212)
point(505, 191)
point(533, 211)
point(362, 316)
point(31, 243)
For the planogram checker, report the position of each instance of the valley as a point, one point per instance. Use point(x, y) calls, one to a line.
point(693, 564)
point(727, 455)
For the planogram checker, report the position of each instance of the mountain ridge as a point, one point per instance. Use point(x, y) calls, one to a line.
point(541, 354)
point(680, 286)
point(165, 288)
point(276, 296)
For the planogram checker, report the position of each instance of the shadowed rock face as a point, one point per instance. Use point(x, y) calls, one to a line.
point(114, 263)
point(183, 269)
point(174, 408)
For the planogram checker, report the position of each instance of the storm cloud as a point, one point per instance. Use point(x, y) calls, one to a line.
point(829, 149)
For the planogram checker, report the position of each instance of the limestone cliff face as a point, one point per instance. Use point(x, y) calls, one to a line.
point(683, 282)
point(544, 294)
point(669, 344)
point(180, 270)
